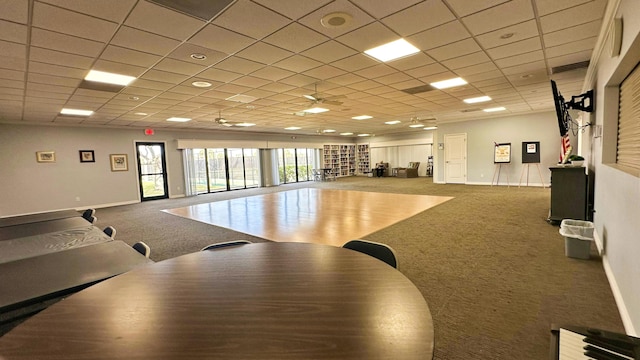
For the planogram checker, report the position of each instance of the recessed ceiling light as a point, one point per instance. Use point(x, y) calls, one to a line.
point(77, 112)
point(430, 128)
point(109, 78)
point(346, 133)
point(141, 114)
point(507, 35)
point(362, 117)
point(242, 98)
point(363, 135)
point(316, 110)
point(245, 124)
point(477, 99)
point(445, 84)
point(197, 56)
point(328, 131)
point(178, 119)
point(393, 50)
point(416, 125)
point(393, 122)
point(201, 84)
point(501, 108)
point(292, 128)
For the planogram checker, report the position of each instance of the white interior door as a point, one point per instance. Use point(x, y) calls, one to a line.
point(455, 158)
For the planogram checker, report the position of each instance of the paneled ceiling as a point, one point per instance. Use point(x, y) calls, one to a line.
point(272, 52)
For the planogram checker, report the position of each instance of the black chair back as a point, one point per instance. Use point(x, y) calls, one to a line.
point(380, 251)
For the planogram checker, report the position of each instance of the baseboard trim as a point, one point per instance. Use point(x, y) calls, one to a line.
point(177, 196)
point(622, 308)
point(108, 205)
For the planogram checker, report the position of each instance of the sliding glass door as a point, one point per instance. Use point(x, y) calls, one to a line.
point(217, 169)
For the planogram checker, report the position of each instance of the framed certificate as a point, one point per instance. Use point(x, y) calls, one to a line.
point(502, 153)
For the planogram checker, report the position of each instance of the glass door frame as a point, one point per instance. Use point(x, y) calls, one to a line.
point(165, 180)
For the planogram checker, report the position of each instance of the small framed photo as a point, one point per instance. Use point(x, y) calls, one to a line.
point(46, 156)
point(87, 156)
point(119, 162)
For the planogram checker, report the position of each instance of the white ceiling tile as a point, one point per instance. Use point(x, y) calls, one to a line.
point(455, 49)
point(329, 51)
point(439, 36)
point(11, 74)
point(393, 78)
point(355, 62)
point(250, 81)
point(382, 8)
point(180, 67)
point(522, 31)
point(368, 37)
point(220, 39)
point(162, 21)
point(42, 68)
point(297, 64)
point(324, 72)
point(272, 73)
point(128, 56)
point(162, 76)
point(52, 80)
point(516, 48)
point(59, 58)
point(250, 19)
point(528, 68)
point(577, 15)
point(520, 59)
point(494, 18)
point(347, 79)
point(476, 69)
point(143, 41)
point(293, 9)
point(426, 70)
point(185, 50)
point(72, 23)
point(584, 31)
point(420, 17)
point(13, 32)
point(14, 50)
point(466, 60)
point(296, 38)
point(358, 18)
point(466, 7)
point(239, 65)
point(491, 74)
point(16, 11)
point(299, 80)
point(66, 43)
point(114, 11)
point(573, 47)
point(12, 63)
point(546, 7)
point(264, 53)
point(570, 58)
point(219, 75)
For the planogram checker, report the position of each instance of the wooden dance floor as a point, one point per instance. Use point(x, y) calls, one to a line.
point(312, 215)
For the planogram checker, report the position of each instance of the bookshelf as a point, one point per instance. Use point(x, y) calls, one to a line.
point(340, 158)
point(363, 163)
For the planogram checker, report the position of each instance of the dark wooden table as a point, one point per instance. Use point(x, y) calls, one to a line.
point(36, 245)
point(259, 301)
point(41, 227)
point(36, 278)
point(32, 218)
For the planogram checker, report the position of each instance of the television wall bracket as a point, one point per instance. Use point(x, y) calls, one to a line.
point(583, 102)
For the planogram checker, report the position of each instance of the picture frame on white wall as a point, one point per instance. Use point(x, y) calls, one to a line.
point(87, 156)
point(46, 156)
point(119, 162)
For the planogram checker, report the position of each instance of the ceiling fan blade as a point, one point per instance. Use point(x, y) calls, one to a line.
point(310, 97)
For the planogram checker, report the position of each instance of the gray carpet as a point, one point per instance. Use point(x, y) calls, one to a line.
point(492, 270)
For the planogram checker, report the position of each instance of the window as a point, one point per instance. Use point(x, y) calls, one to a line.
point(628, 148)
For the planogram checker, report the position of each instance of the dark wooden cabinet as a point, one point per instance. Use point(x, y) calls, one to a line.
point(568, 193)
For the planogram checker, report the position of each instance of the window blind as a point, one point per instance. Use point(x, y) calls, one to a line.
point(628, 149)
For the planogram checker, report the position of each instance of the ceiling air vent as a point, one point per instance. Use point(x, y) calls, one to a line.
point(202, 9)
point(469, 110)
point(419, 89)
point(569, 67)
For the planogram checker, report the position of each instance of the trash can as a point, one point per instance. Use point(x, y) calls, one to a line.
point(578, 236)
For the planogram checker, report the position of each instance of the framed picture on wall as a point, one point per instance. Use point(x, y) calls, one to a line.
point(87, 156)
point(119, 162)
point(46, 156)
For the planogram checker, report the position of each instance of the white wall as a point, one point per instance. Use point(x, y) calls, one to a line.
point(29, 187)
point(481, 136)
point(617, 194)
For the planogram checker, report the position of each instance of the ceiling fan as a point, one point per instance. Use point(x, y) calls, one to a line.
point(316, 98)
